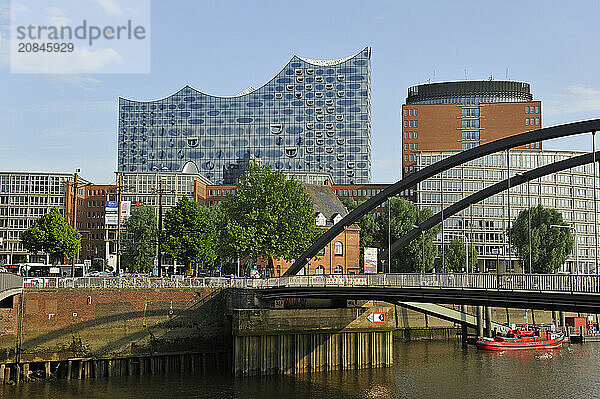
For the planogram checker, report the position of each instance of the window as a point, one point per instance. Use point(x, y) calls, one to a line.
point(415, 124)
point(415, 135)
point(526, 121)
point(537, 121)
point(405, 112)
point(406, 158)
point(405, 147)
point(537, 110)
point(410, 112)
point(410, 123)
point(405, 135)
point(415, 112)
point(320, 270)
point(526, 110)
point(405, 123)
point(416, 148)
point(338, 248)
point(338, 270)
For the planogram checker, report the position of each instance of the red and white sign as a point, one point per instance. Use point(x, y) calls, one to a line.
point(36, 282)
point(376, 317)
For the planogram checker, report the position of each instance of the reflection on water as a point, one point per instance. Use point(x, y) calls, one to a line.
point(421, 370)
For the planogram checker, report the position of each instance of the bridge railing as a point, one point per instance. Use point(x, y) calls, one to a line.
point(9, 281)
point(536, 282)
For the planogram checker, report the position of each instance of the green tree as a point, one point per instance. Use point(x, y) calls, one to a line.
point(190, 233)
point(456, 256)
point(368, 227)
point(550, 246)
point(141, 233)
point(404, 216)
point(53, 235)
point(268, 217)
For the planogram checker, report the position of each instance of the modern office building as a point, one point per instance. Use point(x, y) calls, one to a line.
point(485, 224)
point(24, 197)
point(460, 115)
point(313, 116)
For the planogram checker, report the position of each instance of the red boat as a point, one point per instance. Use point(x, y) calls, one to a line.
point(522, 339)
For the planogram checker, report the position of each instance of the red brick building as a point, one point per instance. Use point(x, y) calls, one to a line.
point(464, 114)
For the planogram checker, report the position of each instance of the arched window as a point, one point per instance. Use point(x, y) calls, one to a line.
point(338, 248)
point(338, 270)
point(319, 270)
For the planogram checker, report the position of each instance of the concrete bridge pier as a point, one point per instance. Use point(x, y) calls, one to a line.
point(480, 321)
point(563, 321)
point(488, 321)
point(556, 319)
point(464, 332)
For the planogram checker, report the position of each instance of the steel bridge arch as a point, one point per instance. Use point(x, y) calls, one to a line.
point(487, 192)
point(548, 133)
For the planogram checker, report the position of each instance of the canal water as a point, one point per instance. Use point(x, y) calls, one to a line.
point(421, 370)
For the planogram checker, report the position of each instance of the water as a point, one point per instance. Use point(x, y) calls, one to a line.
point(421, 370)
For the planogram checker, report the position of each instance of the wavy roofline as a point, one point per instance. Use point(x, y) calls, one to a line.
point(319, 63)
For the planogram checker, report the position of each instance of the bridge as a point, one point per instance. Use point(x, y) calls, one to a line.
point(566, 292)
point(576, 293)
point(10, 284)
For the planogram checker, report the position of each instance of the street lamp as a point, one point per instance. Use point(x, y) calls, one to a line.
point(422, 245)
point(564, 226)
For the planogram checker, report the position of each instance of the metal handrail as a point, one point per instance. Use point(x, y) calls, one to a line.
point(574, 283)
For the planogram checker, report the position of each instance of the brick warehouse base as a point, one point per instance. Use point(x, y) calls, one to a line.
point(85, 323)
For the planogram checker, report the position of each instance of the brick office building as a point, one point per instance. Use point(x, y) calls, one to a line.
point(461, 115)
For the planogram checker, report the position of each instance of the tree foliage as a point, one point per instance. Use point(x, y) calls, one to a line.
point(550, 246)
point(52, 234)
point(190, 233)
point(268, 217)
point(456, 256)
point(404, 215)
point(142, 233)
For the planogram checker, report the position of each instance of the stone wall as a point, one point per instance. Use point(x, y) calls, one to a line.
point(105, 323)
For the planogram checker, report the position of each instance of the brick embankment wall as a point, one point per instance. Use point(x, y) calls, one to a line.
point(61, 324)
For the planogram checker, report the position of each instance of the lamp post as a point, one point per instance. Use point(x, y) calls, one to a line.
point(422, 246)
point(564, 226)
point(595, 204)
point(389, 236)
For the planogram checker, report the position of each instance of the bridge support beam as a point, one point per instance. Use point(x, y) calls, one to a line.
point(480, 321)
point(464, 331)
point(563, 321)
point(556, 319)
point(488, 321)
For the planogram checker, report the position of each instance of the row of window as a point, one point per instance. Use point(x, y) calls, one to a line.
point(532, 110)
point(533, 145)
point(411, 147)
point(410, 112)
point(357, 193)
point(532, 121)
point(411, 135)
point(410, 123)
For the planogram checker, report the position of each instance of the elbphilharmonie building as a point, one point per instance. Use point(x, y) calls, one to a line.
point(312, 117)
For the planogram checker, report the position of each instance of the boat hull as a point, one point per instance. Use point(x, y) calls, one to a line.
point(491, 345)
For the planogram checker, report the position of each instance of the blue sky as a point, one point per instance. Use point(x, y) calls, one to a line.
point(62, 122)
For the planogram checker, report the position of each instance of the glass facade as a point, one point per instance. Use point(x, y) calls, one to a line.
point(313, 116)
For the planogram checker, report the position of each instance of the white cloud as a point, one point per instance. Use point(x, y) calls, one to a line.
point(110, 7)
point(57, 16)
point(85, 82)
point(574, 99)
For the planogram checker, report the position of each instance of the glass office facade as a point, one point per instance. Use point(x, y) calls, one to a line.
point(313, 116)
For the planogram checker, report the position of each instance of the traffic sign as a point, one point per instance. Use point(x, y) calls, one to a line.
point(376, 317)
